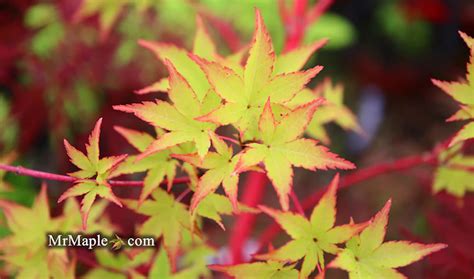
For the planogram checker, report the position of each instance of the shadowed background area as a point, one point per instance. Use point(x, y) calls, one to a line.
point(64, 64)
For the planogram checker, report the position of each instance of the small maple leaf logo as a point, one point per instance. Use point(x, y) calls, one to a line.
point(117, 243)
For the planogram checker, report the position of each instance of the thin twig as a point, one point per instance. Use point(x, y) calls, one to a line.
point(230, 140)
point(183, 194)
point(297, 203)
point(64, 178)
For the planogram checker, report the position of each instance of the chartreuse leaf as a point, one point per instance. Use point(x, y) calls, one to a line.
point(167, 219)
point(158, 165)
point(96, 219)
point(333, 110)
point(160, 86)
point(186, 67)
point(161, 268)
point(281, 149)
point(24, 250)
point(214, 205)
point(44, 17)
point(314, 237)
point(220, 167)
point(295, 59)
point(261, 270)
point(203, 44)
point(454, 173)
point(463, 93)
point(107, 10)
point(118, 266)
point(245, 93)
point(367, 256)
point(177, 117)
point(204, 47)
point(91, 167)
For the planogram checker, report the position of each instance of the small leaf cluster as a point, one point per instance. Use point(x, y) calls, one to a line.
point(260, 100)
point(365, 254)
point(454, 173)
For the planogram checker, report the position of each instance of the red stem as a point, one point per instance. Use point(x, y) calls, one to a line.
point(253, 194)
point(64, 178)
point(183, 194)
point(296, 203)
point(318, 10)
point(354, 178)
point(230, 140)
point(295, 25)
point(227, 32)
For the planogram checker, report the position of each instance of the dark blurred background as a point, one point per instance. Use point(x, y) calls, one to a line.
point(63, 64)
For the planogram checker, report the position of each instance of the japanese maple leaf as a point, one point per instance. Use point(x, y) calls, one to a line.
point(167, 219)
point(219, 166)
point(161, 267)
point(367, 256)
point(312, 238)
point(454, 173)
point(177, 117)
point(281, 149)
point(91, 167)
point(97, 220)
point(214, 205)
point(157, 165)
point(462, 92)
point(204, 47)
point(24, 250)
point(119, 265)
point(245, 93)
point(261, 270)
point(333, 110)
point(108, 11)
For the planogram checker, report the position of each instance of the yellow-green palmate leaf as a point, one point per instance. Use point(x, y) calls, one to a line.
point(96, 219)
point(108, 11)
point(367, 256)
point(463, 93)
point(167, 219)
point(219, 166)
point(314, 237)
point(120, 265)
point(91, 167)
point(333, 110)
point(177, 117)
point(162, 269)
point(245, 93)
point(203, 47)
point(281, 148)
point(455, 172)
point(24, 250)
point(259, 270)
point(158, 165)
point(214, 205)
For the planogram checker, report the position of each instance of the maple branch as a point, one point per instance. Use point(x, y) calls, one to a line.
point(318, 10)
point(296, 203)
point(230, 140)
point(296, 24)
point(253, 193)
point(183, 194)
point(19, 170)
point(357, 176)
